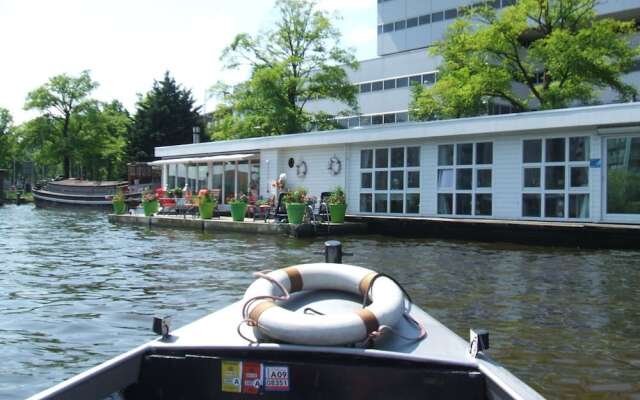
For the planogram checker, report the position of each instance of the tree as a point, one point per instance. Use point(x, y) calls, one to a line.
point(165, 116)
point(61, 100)
point(299, 60)
point(537, 54)
point(6, 143)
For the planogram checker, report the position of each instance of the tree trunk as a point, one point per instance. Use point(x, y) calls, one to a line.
point(67, 158)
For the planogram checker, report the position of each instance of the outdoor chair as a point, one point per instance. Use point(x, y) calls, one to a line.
point(279, 212)
point(323, 209)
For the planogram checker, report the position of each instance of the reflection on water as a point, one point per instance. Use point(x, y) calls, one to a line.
point(76, 290)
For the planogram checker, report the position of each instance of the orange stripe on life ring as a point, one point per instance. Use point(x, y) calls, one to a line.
point(370, 321)
point(295, 278)
point(365, 283)
point(254, 315)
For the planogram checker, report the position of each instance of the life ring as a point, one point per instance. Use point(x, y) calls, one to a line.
point(301, 169)
point(387, 305)
point(335, 165)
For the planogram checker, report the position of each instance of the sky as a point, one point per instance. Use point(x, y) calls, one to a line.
point(126, 44)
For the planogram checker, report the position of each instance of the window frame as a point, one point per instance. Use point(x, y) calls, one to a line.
point(567, 190)
point(475, 190)
point(389, 169)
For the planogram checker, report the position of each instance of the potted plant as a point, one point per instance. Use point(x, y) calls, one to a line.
point(119, 206)
point(238, 208)
point(149, 203)
point(177, 193)
point(296, 202)
point(337, 203)
point(206, 204)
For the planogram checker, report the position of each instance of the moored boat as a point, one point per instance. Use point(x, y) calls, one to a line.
point(77, 193)
point(322, 331)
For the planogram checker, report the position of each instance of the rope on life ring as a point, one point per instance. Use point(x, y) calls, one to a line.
point(335, 165)
point(301, 169)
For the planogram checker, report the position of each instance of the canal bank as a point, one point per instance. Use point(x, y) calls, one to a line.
point(535, 233)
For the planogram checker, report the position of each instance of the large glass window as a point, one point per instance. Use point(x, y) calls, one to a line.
point(172, 175)
point(555, 178)
point(216, 179)
point(203, 176)
point(182, 176)
point(623, 175)
point(390, 180)
point(229, 181)
point(465, 179)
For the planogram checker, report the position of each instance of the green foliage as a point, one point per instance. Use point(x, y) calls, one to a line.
point(337, 197)
point(299, 60)
point(239, 200)
point(60, 101)
point(118, 197)
point(176, 192)
point(165, 116)
point(298, 195)
point(206, 196)
point(489, 55)
point(7, 138)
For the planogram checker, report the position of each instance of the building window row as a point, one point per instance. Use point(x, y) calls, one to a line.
point(374, 119)
point(428, 78)
point(437, 16)
point(555, 178)
point(390, 180)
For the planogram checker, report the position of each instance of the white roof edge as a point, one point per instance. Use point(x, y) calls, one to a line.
point(203, 160)
point(578, 118)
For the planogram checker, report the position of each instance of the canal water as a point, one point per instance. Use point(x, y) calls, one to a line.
point(77, 290)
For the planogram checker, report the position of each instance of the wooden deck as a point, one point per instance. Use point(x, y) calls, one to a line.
point(226, 224)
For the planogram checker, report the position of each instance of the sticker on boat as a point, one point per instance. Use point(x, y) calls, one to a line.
point(231, 376)
point(276, 378)
point(251, 377)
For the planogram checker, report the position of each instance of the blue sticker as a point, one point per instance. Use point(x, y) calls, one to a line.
point(595, 163)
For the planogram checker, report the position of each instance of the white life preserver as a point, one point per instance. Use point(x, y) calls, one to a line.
point(386, 308)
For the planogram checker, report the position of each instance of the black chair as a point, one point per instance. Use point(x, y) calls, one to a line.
point(279, 213)
point(323, 208)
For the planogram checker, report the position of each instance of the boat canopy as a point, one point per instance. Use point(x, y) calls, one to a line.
point(204, 160)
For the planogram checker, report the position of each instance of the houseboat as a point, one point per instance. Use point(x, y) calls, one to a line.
point(579, 165)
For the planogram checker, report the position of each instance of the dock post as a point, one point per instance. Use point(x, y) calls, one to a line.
point(333, 252)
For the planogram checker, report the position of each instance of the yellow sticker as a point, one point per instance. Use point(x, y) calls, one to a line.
point(232, 376)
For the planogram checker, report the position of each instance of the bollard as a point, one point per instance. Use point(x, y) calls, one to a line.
point(333, 252)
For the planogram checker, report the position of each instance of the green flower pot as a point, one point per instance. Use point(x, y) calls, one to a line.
point(150, 207)
point(206, 209)
point(119, 207)
point(337, 213)
point(238, 211)
point(295, 212)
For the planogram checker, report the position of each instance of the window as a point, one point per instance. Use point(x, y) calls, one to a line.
point(400, 25)
point(415, 80)
point(412, 22)
point(386, 28)
point(390, 182)
point(365, 87)
point(623, 176)
point(465, 179)
point(376, 86)
point(365, 120)
point(376, 119)
point(402, 82)
point(424, 19)
point(402, 117)
point(389, 84)
point(437, 16)
point(555, 178)
point(451, 13)
point(380, 29)
point(389, 118)
point(429, 79)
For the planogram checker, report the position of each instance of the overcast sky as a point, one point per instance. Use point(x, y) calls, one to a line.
point(128, 43)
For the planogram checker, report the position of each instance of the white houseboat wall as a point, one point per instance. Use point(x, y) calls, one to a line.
point(549, 166)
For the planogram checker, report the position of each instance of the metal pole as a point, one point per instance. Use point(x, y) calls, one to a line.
point(333, 252)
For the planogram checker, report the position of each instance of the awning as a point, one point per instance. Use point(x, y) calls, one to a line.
point(204, 160)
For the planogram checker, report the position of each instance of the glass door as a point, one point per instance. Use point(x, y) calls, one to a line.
point(622, 179)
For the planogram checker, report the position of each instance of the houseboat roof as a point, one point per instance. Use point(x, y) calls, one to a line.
point(601, 117)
